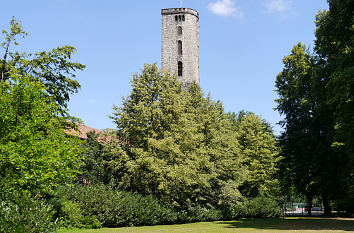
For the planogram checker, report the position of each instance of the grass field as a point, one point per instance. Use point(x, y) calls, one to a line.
point(244, 225)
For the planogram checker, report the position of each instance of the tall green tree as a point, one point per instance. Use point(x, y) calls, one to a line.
point(310, 162)
point(53, 68)
point(334, 46)
point(296, 104)
point(259, 147)
point(35, 153)
point(93, 170)
point(181, 145)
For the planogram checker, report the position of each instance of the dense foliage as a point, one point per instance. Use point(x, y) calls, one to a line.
point(111, 208)
point(334, 47)
point(53, 69)
point(182, 148)
point(98, 205)
point(175, 157)
point(316, 97)
point(36, 154)
point(258, 146)
point(93, 170)
point(21, 213)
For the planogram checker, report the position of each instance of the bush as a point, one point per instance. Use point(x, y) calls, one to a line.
point(98, 205)
point(20, 213)
point(233, 211)
point(111, 208)
point(262, 207)
point(71, 214)
point(259, 207)
point(91, 222)
point(198, 213)
point(345, 204)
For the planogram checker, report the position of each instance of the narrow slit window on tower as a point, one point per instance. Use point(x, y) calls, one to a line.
point(179, 47)
point(180, 68)
point(179, 30)
point(176, 18)
point(183, 18)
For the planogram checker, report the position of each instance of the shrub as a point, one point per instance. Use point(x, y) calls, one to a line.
point(111, 208)
point(91, 222)
point(262, 207)
point(144, 210)
point(345, 204)
point(197, 213)
point(20, 213)
point(71, 214)
point(97, 205)
point(233, 211)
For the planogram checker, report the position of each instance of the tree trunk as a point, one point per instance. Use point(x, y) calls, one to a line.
point(309, 205)
point(3, 68)
point(327, 208)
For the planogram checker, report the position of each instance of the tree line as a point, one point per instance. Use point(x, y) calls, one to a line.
point(316, 98)
point(183, 148)
point(172, 144)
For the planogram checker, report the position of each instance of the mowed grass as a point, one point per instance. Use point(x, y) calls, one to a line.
point(242, 225)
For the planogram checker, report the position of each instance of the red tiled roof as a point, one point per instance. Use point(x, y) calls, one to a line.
point(82, 132)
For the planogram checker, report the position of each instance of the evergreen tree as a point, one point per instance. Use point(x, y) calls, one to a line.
point(93, 170)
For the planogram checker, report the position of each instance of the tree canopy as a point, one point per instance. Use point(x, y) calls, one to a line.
point(51, 68)
point(316, 98)
point(181, 145)
point(334, 47)
point(35, 152)
point(259, 147)
point(184, 148)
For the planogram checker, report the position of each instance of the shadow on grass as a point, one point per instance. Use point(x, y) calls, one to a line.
point(295, 224)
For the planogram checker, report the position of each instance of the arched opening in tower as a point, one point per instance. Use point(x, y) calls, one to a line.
point(180, 68)
point(179, 47)
point(179, 30)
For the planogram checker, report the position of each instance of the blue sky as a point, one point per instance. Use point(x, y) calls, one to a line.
point(242, 43)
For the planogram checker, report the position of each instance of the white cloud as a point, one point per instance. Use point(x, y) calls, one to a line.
point(225, 8)
point(278, 5)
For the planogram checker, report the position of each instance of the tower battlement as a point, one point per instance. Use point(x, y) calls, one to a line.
point(171, 11)
point(180, 44)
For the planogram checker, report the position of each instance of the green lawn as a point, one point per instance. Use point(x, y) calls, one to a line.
point(243, 225)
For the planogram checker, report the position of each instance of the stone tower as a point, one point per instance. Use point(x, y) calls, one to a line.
point(180, 44)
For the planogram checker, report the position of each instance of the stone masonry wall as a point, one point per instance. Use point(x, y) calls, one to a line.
point(188, 19)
